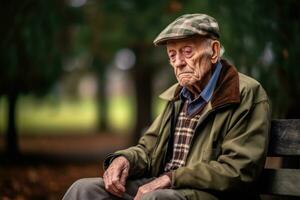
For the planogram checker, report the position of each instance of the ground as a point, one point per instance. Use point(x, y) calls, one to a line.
point(37, 182)
point(50, 164)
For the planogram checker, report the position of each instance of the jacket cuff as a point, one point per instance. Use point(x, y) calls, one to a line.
point(108, 160)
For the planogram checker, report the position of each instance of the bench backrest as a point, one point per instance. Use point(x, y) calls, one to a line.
point(284, 142)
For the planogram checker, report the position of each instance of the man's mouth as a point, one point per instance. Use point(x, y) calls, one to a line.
point(182, 73)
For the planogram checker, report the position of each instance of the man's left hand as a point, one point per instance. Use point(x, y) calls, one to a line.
point(158, 183)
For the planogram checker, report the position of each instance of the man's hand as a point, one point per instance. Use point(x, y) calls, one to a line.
point(158, 183)
point(115, 176)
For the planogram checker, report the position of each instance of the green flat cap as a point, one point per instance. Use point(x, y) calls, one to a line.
point(188, 25)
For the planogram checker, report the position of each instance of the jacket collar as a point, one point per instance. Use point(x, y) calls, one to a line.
point(226, 91)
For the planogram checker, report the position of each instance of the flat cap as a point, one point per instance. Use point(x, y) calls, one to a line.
point(188, 25)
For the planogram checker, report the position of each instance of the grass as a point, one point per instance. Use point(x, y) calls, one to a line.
point(55, 116)
point(3, 120)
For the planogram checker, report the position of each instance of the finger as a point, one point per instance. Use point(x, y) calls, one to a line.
point(105, 174)
point(116, 180)
point(110, 188)
point(115, 192)
point(107, 179)
point(139, 194)
point(111, 185)
point(104, 179)
point(124, 176)
point(108, 183)
point(117, 184)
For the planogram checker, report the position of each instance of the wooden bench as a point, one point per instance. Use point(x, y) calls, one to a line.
point(284, 142)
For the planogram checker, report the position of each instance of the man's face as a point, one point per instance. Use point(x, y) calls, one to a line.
point(190, 59)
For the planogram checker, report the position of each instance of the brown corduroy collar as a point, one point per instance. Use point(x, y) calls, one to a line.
point(226, 91)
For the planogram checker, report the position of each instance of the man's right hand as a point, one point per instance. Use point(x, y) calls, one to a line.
point(115, 176)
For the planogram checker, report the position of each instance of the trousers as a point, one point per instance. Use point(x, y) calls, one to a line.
point(93, 188)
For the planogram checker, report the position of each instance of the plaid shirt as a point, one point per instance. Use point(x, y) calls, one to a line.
point(188, 120)
point(184, 131)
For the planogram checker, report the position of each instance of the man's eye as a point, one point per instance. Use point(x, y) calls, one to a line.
point(187, 52)
point(172, 56)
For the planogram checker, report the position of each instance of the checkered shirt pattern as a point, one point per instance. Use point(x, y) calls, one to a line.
point(184, 131)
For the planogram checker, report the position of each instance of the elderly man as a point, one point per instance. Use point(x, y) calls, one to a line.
point(208, 143)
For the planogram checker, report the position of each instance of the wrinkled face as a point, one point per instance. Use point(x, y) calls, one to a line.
point(190, 59)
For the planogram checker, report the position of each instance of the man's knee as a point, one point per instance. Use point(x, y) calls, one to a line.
point(84, 187)
point(163, 194)
point(87, 184)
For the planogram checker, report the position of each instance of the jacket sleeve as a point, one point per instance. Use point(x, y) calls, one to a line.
point(139, 155)
point(242, 156)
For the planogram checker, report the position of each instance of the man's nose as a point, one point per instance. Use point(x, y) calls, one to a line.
point(180, 61)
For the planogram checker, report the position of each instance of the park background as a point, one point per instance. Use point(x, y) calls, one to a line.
point(81, 78)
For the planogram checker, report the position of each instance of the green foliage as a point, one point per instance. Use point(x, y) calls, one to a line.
point(130, 23)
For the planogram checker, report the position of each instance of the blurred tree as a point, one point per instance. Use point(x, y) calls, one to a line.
point(90, 41)
point(101, 54)
point(133, 24)
point(31, 49)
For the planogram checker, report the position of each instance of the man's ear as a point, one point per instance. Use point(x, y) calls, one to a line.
point(216, 47)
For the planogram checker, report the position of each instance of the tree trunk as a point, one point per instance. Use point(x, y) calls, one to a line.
point(102, 103)
point(143, 92)
point(101, 95)
point(12, 147)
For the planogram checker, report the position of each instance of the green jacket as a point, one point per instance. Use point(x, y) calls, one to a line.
point(229, 146)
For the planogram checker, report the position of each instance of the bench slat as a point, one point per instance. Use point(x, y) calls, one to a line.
point(285, 138)
point(281, 182)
